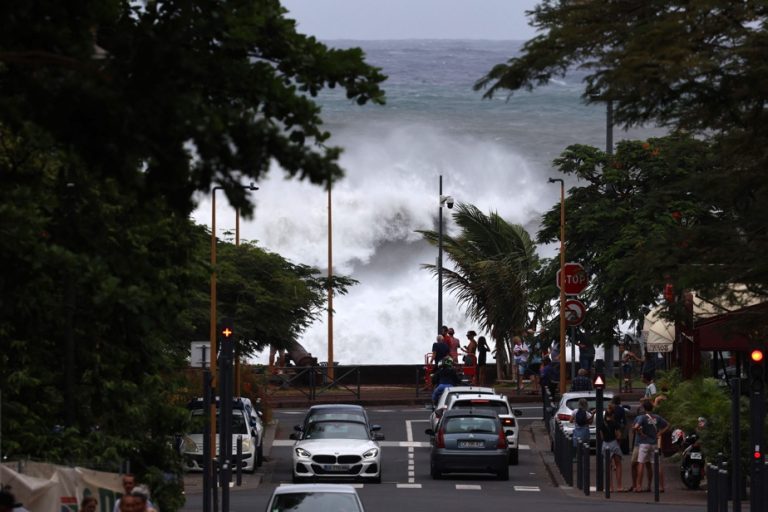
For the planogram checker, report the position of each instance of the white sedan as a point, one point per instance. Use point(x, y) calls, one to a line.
point(314, 497)
point(337, 450)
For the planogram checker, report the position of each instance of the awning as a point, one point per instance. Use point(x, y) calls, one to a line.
point(658, 333)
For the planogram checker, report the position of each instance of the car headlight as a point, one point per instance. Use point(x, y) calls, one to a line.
point(373, 452)
point(301, 452)
point(246, 444)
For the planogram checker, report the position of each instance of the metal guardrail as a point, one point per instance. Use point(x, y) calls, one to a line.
point(312, 381)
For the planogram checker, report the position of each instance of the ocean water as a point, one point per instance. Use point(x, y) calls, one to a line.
point(495, 154)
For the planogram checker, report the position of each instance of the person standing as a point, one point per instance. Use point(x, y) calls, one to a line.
point(549, 377)
point(586, 351)
point(440, 350)
point(482, 351)
point(581, 419)
point(581, 382)
point(520, 358)
point(610, 433)
point(648, 429)
point(627, 365)
point(446, 377)
point(469, 351)
point(650, 387)
point(453, 344)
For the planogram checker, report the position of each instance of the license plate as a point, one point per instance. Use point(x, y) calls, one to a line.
point(336, 467)
point(471, 444)
point(696, 455)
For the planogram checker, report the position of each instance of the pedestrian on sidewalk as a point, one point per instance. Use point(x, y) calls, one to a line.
point(649, 428)
point(610, 433)
point(581, 420)
point(581, 382)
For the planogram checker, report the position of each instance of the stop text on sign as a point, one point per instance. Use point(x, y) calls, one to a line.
point(572, 279)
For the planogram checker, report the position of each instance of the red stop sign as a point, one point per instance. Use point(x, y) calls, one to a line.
point(575, 281)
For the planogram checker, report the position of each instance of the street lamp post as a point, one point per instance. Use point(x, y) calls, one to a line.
point(562, 287)
point(330, 369)
point(447, 201)
point(213, 331)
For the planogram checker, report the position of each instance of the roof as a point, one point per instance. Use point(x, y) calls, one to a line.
point(584, 394)
point(297, 488)
point(322, 407)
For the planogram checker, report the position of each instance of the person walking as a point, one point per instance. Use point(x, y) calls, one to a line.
point(648, 428)
point(610, 433)
point(627, 366)
point(482, 352)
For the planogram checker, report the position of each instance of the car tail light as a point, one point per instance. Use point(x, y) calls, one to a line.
point(563, 417)
point(502, 442)
point(508, 422)
point(440, 439)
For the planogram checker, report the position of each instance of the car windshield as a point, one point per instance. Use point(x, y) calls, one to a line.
point(336, 430)
point(315, 502)
point(471, 424)
point(198, 422)
point(496, 406)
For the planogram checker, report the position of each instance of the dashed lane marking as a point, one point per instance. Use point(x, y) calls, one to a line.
point(409, 486)
point(527, 488)
point(465, 487)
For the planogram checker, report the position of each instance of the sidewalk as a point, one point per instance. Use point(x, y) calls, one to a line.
point(674, 491)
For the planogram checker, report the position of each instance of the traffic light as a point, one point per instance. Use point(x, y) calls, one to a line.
point(757, 370)
point(226, 329)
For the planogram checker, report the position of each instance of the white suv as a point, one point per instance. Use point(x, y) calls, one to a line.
point(498, 404)
point(246, 425)
point(450, 392)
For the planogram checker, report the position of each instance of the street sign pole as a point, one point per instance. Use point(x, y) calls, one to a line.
point(599, 439)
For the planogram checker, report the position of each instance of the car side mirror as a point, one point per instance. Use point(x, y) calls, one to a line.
point(294, 436)
point(374, 428)
point(518, 412)
point(429, 432)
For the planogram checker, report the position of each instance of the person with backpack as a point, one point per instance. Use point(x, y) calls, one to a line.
point(648, 429)
point(581, 420)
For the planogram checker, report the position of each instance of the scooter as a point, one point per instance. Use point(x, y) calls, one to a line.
point(692, 466)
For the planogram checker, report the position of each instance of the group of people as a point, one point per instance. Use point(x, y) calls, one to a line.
point(646, 433)
point(448, 346)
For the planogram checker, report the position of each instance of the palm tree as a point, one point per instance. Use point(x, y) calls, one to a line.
point(495, 263)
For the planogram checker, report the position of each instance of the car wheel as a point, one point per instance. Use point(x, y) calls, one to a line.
point(503, 474)
point(514, 457)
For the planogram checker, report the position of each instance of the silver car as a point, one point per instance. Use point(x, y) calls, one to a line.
point(569, 402)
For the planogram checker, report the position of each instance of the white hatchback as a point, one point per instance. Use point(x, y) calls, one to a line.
point(442, 402)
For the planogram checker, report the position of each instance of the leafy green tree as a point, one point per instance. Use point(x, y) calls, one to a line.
point(495, 262)
point(169, 97)
point(697, 68)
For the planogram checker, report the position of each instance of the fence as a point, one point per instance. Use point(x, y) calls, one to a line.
point(313, 381)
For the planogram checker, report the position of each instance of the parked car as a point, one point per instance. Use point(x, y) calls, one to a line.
point(442, 402)
point(314, 497)
point(568, 404)
point(336, 444)
point(343, 412)
point(469, 441)
point(246, 425)
point(498, 404)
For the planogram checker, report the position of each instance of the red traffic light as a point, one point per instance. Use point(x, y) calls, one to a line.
point(756, 356)
point(757, 455)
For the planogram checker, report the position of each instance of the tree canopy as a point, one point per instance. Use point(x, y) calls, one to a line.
point(170, 97)
point(698, 68)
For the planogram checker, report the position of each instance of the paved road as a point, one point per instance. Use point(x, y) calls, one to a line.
point(407, 484)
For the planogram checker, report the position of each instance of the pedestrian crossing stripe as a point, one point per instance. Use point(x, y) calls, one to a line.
point(465, 487)
point(409, 486)
point(527, 488)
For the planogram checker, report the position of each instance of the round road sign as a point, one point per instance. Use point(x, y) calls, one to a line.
point(575, 311)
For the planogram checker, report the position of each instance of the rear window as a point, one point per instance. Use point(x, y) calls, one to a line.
point(591, 401)
point(471, 424)
point(496, 406)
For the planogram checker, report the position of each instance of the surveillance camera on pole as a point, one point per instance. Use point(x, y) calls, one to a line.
point(447, 201)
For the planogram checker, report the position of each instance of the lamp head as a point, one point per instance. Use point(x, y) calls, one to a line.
point(447, 201)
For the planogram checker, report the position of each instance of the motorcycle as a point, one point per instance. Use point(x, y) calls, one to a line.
point(692, 465)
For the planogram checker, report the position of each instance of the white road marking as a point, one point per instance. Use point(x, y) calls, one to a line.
point(408, 430)
point(527, 488)
point(409, 486)
point(524, 447)
point(404, 444)
point(411, 474)
point(465, 487)
point(383, 410)
point(283, 442)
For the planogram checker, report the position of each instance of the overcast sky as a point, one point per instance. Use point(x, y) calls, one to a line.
point(412, 19)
